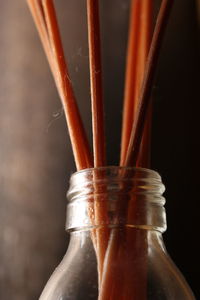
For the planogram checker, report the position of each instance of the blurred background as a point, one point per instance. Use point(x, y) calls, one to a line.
point(35, 154)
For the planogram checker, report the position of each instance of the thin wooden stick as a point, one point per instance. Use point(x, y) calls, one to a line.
point(138, 48)
point(144, 156)
point(138, 126)
point(144, 45)
point(131, 82)
point(53, 47)
point(102, 234)
point(145, 40)
point(96, 82)
point(135, 274)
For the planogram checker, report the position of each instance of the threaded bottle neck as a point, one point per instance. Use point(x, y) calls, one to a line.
point(116, 196)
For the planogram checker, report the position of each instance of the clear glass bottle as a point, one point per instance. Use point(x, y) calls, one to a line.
point(116, 218)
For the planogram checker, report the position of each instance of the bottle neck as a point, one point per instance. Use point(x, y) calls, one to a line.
point(116, 197)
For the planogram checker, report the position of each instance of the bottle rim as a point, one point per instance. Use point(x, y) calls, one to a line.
point(119, 168)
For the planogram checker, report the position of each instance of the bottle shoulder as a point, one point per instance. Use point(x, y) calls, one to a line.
point(76, 278)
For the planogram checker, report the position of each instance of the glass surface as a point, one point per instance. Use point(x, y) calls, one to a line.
point(116, 218)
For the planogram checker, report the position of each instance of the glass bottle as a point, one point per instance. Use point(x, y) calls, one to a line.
point(116, 218)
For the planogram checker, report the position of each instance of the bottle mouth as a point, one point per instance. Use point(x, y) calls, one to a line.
point(138, 180)
point(116, 196)
point(116, 170)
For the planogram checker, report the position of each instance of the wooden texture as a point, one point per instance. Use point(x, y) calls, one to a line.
point(94, 40)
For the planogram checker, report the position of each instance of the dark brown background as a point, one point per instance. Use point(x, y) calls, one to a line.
point(35, 153)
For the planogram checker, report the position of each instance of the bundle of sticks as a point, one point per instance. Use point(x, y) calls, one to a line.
point(142, 57)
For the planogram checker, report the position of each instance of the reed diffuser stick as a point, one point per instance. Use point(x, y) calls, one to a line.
point(144, 45)
point(55, 54)
point(131, 81)
point(136, 240)
point(138, 47)
point(96, 82)
point(94, 40)
point(138, 125)
point(146, 18)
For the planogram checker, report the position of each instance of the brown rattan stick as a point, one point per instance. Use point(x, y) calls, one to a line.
point(144, 44)
point(53, 48)
point(131, 81)
point(138, 125)
point(138, 272)
point(96, 82)
point(102, 234)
